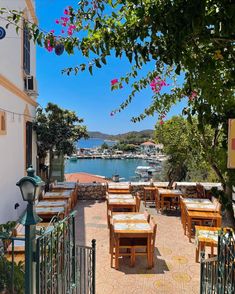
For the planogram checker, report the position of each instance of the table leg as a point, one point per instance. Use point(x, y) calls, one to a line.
point(189, 228)
point(161, 202)
point(149, 254)
point(197, 252)
point(218, 222)
point(117, 254)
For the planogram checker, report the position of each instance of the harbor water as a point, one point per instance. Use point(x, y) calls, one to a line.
point(125, 168)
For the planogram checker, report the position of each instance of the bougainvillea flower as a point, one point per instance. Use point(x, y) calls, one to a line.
point(157, 84)
point(57, 21)
point(114, 82)
point(161, 122)
point(65, 19)
point(192, 96)
point(66, 11)
point(112, 113)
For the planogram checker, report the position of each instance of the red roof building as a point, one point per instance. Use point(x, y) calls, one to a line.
point(85, 178)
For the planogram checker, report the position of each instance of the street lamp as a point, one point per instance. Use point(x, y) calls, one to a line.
point(30, 187)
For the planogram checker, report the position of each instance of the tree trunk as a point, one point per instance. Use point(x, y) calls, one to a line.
point(50, 166)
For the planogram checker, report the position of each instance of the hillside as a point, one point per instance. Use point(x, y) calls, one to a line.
point(129, 136)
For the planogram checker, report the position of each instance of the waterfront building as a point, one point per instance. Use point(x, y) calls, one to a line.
point(150, 147)
point(17, 107)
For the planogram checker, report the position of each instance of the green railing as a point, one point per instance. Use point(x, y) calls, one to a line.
point(62, 266)
point(218, 273)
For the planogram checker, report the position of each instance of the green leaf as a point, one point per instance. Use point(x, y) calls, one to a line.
point(90, 69)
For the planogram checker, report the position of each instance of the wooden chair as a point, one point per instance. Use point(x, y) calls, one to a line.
point(147, 216)
point(201, 193)
point(116, 247)
point(141, 243)
point(138, 201)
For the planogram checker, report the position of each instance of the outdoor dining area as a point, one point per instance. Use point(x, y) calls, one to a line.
point(51, 206)
point(149, 231)
point(133, 232)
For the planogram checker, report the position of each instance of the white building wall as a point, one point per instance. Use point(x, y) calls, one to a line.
point(12, 144)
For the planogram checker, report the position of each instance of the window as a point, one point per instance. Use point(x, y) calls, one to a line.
point(26, 50)
point(3, 127)
point(29, 129)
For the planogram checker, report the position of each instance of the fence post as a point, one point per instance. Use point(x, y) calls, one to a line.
point(93, 264)
point(202, 264)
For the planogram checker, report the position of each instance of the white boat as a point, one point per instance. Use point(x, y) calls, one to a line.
point(146, 171)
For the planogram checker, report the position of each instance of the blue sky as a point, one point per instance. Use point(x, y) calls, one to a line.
point(90, 96)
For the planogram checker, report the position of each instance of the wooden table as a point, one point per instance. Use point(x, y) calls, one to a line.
point(201, 216)
point(120, 196)
point(205, 236)
point(60, 195)
point(118, 190)
point(54, 203)
point(162, 194)
point(20, 229)
point(151, 191)
point(122, 204)
point(190, 204)
point(49, 212)
point(132, 230)
point(128, 216)
point(194, 204)
point(63, 186)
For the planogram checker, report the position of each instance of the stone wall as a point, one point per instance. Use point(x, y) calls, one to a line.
point(98, 190)
point(92, 191)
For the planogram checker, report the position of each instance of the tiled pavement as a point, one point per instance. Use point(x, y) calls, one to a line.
point(175, 270)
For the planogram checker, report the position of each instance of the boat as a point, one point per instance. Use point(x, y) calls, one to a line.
point(73, 158)
point(146, 171)
point(115, 178)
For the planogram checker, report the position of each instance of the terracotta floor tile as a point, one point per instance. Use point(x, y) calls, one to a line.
point(175, 270)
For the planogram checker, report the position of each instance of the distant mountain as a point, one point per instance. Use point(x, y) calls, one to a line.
point(99, 135)
point(129, 136)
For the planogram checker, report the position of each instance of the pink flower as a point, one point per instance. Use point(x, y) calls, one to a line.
point(112, 113)
point(114, 82)
point(66, 11)
point(65, 19)
point(64, 24)
point(57, 21)
point(157, 84)
point(192, 96)
point(49, 47)
point(161, 122)
point(52, 31)
point(62, 31)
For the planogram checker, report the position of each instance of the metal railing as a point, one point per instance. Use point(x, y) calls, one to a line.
point(218, 273)
point(85, 257)
point(62, 266)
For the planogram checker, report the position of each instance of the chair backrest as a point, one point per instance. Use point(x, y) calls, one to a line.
point(138, 200)
point(147, 216)
point(217, 204)
point(154, 227)
point(201, 193)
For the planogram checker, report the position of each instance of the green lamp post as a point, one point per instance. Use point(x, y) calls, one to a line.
point(30, 187)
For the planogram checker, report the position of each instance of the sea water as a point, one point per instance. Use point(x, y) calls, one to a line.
point(125, 168)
